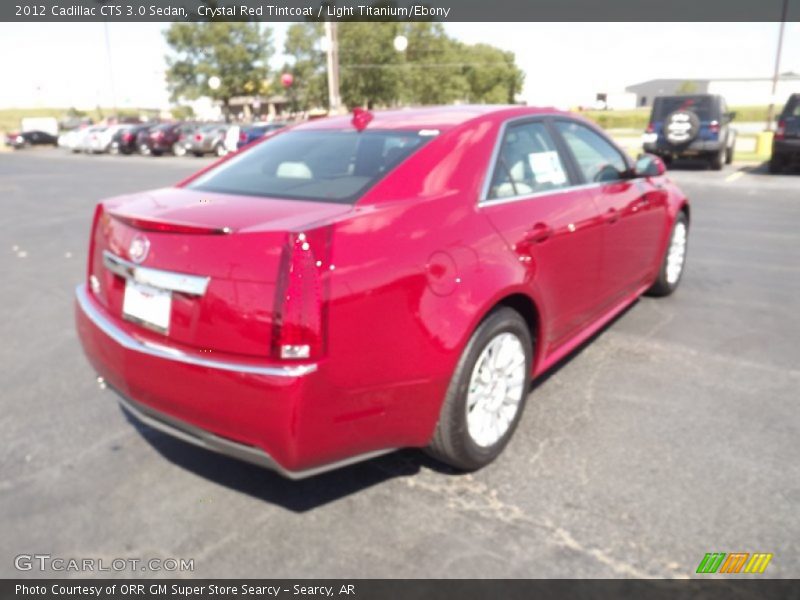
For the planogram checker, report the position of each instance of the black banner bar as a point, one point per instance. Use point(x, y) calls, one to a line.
point(360, 589)
point(394, 10)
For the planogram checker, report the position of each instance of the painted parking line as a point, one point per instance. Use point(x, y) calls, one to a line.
point(734, 176)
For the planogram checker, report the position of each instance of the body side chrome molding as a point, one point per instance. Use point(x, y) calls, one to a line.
point(174, 354)
point(165, 280)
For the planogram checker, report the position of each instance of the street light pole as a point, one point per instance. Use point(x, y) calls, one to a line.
point(776, 74)
point(332, 51)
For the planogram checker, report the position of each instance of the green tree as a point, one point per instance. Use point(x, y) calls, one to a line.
point(369, 66)
point(432, 73)
point(310, 87)
point(237, 53)
point(492, 74)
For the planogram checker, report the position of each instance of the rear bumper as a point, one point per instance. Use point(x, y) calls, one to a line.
point(269, 415)
point(694, 148)
point(790, 147)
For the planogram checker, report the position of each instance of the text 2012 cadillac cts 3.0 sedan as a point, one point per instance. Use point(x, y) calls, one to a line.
point(351, 286)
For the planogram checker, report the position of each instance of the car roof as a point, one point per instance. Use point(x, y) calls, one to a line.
point(435, 117)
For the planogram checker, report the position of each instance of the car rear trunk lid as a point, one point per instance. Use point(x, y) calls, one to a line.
point(215, 261)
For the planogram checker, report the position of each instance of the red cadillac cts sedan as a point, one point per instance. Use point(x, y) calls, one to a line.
point(351, 286)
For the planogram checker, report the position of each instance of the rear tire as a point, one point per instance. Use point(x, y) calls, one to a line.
point(487, 394)
point(776, 164)
point(729, 152)
point(674, 261)
point(718, 160)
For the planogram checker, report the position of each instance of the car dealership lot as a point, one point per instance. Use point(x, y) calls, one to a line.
point(672, 434)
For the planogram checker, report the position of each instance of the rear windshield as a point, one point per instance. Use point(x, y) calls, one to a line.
point(327, 166)
point(702, 106)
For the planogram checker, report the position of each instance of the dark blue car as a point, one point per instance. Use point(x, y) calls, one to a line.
point(691, 126)
point(250, 133)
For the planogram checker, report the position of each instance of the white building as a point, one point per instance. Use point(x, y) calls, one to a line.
point(737, 91)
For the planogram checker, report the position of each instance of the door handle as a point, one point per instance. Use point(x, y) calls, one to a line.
point(539, 233)
point(612, 216)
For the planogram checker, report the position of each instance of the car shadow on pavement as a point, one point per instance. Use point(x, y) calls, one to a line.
point(307, 494)
point(295, 495)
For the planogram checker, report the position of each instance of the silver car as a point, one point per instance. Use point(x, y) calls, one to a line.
point(208, 139)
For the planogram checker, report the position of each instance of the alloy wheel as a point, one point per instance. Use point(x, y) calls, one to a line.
point(496, 389)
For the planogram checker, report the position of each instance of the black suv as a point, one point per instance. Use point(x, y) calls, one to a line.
point(786, 142)
point(691, 126)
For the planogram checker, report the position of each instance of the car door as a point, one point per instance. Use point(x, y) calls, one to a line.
point(632, 209)
point(550, 224)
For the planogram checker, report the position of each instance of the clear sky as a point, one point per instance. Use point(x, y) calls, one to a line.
point(53, 64)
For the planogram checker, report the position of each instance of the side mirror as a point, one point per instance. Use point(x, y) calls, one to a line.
point(731, 115)
point(649, 165)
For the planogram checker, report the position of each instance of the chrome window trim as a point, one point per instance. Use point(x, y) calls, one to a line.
point(534, 195)
point(129, 342)
point(165, 280)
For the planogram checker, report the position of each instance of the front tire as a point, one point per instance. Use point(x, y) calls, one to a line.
point(487, 393)
point(671, 271)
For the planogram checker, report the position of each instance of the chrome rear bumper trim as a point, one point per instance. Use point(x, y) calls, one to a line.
point(167, 353)
point(209, 441)
point(166, 280)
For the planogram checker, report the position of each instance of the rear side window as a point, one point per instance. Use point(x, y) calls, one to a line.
point(792, 108)
point(702, 106)
point(597, 159)
point(528, 163)
point(328, 166)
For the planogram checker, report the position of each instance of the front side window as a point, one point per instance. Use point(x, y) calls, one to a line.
point(597, 159)
point(326, 166)
point(528, 163)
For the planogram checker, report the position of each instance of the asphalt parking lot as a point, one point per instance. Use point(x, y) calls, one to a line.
point(674, 433)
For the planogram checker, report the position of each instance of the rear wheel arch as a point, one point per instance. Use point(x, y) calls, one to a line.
point(527, 309)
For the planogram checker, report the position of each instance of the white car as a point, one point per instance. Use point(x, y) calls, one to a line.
point(71, 140)
point(99, 141)
point(87, 140)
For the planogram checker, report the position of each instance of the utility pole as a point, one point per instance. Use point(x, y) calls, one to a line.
point(334, 99)
point(776, 74)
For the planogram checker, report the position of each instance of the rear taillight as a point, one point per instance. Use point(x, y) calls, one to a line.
point(780, 132)
point(243, 137)
point(301, 301)
point(198, 137)
point(650, 128)
point(91, 278)
point(713, 127)
point(127, 137)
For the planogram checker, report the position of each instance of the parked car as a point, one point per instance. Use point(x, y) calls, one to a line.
point(166, 137)
point(207, 139)
point(691, 126)
point(31, 138)
point(250, 133)
point(89, 140)
point(350, 287)
point(124, 139)
point(101, 141)
point(786, 141)
point(73, 140)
